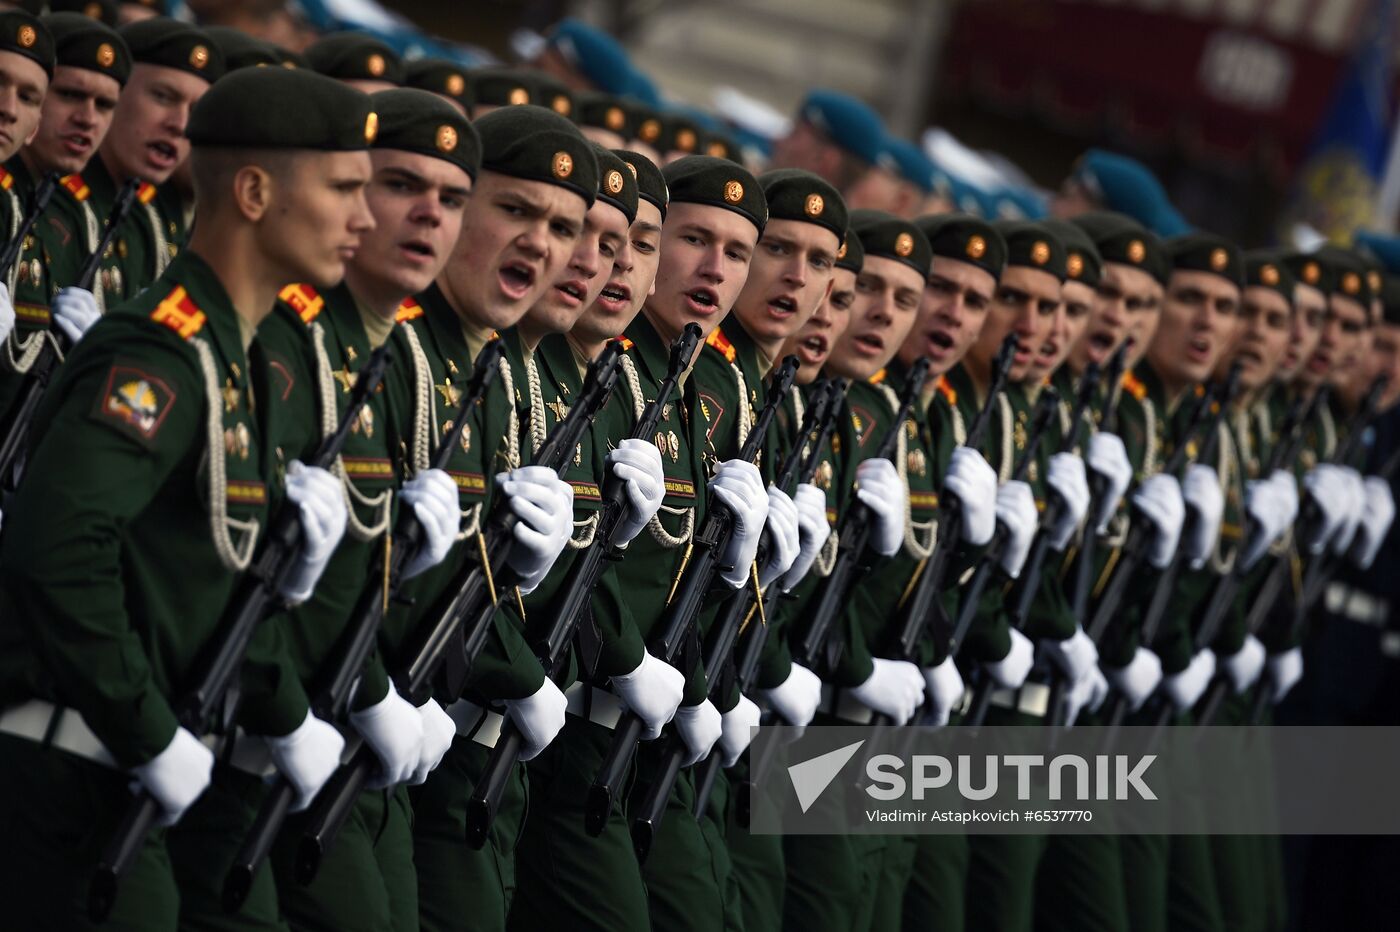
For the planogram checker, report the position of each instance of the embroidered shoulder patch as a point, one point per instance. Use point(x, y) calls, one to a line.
point(76, 186)
point(134, 401)
point(408, 310)
point(717, 340)
point(179, 313)
point(712, 411)
point(864, 423)
point(304, 300)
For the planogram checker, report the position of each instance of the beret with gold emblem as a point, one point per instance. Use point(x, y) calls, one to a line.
point(102, 11)
point(82, 42)
point(503, 87)
point(1206, 252)
point(965, 238)
point(851, 255)
point(355, 56)
point(1264, 268)
point(651, 185)
point(173, 44)
point(604, 111)
point(721, 146)
point(888, 237)
point(1033, 246)
point(648, 126)
point(536, 144)
point(1123, 241)
point(616, 183)
point(242, 50)
point(24, 34)
point(704, 179)
point(1390, 299)
point(799, 195)
point(312, 112)
point(1083, 263)
point(554, 94)
point(411, 120)
point(1310, 270)
point(1349, 274)
point(679, 133)
point(441, 77)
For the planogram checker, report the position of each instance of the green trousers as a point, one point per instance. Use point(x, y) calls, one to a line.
point(897, 859)
point(934, 897)
point(758, 865)
point(459, 887)
point(57, 812)
point(367, 880)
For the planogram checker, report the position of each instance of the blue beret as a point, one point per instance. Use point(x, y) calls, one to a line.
point(850, 124)
point(1384, 246)
point(593, 52)
point(642, 88)
point(1127, 186)
point(914, 165)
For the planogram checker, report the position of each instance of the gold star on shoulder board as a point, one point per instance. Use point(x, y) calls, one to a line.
point(450, 395)
point(345, 377)
point(230, 393)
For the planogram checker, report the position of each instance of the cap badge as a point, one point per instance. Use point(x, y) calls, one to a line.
point(614, 182)
point(903, 244)
point(1219, 258)
point(1136, 252)
point(561, 105)
point(371, 126)
point(1268, 275)
point(1040, 252)
point(199, 57)
point(632, 168)
point(1074, 265)
point(517, 96)
point(649, 131)
point(563, 165)
point(446, 138)
point(26, 36)
point(976, 247)
point(614, 119)
point(717, 149)
point(841, 253)
point(1312, 273)
point(106, 55)
point(456, 84)
point(1351, 283)
point(93, 11)
point(685, 140)
point(375, 64)
point(815, 205)
point(1373, 278)
point(733, 192)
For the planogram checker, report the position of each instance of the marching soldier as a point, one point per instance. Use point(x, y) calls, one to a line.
point(356, 59)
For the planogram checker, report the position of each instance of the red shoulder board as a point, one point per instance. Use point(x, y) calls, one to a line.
point(7, 180)
point(946, 390)
point(76, 186)
point(719, 341)
point(878, 377)
point(146, 193)
point(408, 310)
point(179, 313)
point(1136, 388)
point(304, 300)
point(626, 343)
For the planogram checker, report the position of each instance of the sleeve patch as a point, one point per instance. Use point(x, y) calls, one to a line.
point(179, 313)
point(135, 402)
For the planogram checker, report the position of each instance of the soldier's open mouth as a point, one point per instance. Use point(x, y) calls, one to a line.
point(615, 294)
point(517, 278)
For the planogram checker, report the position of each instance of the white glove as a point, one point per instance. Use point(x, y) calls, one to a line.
point(944, 687)
point(74, 310)
point(1139, 679)
point(1159, 500)
point(1356, 498)
point(1075, 655)
point(393, 729)
point(812, 532)
point(797, 697)
point(1016, 510)
point(1285, 670)
point(973, 482)
point(735, 729)
point(1201, 489)
point(433, 497)
point(1010, 672)
point(177, 775)
point(438, 732)
point(1185, 688)
point(539, 716)
point(321, 502)
point(1375, 521)
point(1330, 488)
point(894, 688)
point(7, 313)
point(1087, 692)
point(307, 757)
point(1242, 668)
point(545, 506)
point(1108, 457)
point(638, 464)
point(653, 691)
point(700, 726)
point(878, 485)
point(1066, 476)
point(738, 485)
point(783, 536)
point(1272, 506)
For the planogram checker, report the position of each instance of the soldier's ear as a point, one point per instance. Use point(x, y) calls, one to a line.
point(253, 188)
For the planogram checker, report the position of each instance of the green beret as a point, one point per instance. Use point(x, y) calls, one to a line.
point(288, 58)
point(1390, 299)
point(648, 125)
point(604, 111)
point(1308, 269)
point(794, 194)
point(651, 185)
point(1264, 268)
point(101, 11)
point(312, 112)
point(503, 87)
point(82, 42)
point(1033, 246)
point(553, 94)
point(1083, 263)
point(1349, 274)
point(616, 183)
point(172, 44)
point(420, 121)
point(538, 145)
point(851, 255)
point(242, 50)
point(703, 179)
point(965, 238)
point(24, 34)
point(1206, 252)
point(355, 56)
point(679, 133)
point(1122, 240)
point(721, 147)
point(441, 77)
point(889, 237)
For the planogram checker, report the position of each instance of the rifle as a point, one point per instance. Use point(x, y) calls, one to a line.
point(676, 634)
point(340, 672)
point(576, 591)
point(728, 626)
point(215, 689)
point(42, 195)
point(42, 371)
point(457, 634)
point(991, 559)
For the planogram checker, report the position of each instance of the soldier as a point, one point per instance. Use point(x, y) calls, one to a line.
point(493, 88)
point(841, 139)
point(607, 120)
point(157, 446)
point(357, 59)
point(442, 77)
point(1102, 180)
